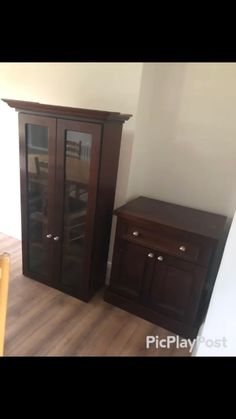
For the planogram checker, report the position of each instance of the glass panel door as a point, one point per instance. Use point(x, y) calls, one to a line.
point(77, 167)
point(39, 142)
point(78, 145)
point(37, 162)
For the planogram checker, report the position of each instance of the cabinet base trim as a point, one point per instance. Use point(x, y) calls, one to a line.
point(83, 296)
point(186, 331)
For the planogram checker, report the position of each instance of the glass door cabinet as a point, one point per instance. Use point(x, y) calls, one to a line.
point(68, 160)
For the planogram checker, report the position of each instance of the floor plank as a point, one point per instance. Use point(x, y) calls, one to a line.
point(42, 321)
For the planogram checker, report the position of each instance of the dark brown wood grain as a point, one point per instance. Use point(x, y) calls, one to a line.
point(176, 216)
point(151, 276)
point(106, 130)
point(30, 107)
point(105, 201)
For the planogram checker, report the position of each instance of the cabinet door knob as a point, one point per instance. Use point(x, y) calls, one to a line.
point(49, 236)
point(56, 238)
point(150, 255)
point(182, 248)
point(135, 233)
point(160, 258)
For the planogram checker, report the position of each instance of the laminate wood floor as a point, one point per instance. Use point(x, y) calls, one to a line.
point(42, 321)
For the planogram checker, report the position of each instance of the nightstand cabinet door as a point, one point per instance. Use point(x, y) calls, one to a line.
point(131, 265)
point(174, 288)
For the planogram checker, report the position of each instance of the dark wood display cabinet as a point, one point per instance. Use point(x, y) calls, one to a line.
point(165, 261)
point(68, 161)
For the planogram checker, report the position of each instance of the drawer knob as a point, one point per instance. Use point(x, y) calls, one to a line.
point(150, 255)
point(49, 236)
point(182, 248)
point(56, 238)
point(160, 258)
point(135, 233)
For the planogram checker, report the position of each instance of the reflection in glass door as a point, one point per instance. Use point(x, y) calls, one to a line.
point(37, 191)
point(77, 169)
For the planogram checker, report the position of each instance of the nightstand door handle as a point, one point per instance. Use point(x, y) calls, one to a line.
point(135, 233)
point(182, 248)
point(150, 255)
point(160, 258)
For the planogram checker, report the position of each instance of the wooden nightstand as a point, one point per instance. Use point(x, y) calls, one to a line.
point(165, 262)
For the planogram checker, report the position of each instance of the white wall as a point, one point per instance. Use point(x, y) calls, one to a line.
point(184, 146)
point(221, 315)
point(185, 141)
point(10, 222)
point(105, 86)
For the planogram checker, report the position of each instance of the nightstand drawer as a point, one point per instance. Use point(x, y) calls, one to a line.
point(162, 242)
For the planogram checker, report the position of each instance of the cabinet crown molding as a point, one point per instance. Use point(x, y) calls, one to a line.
point(40, 108)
